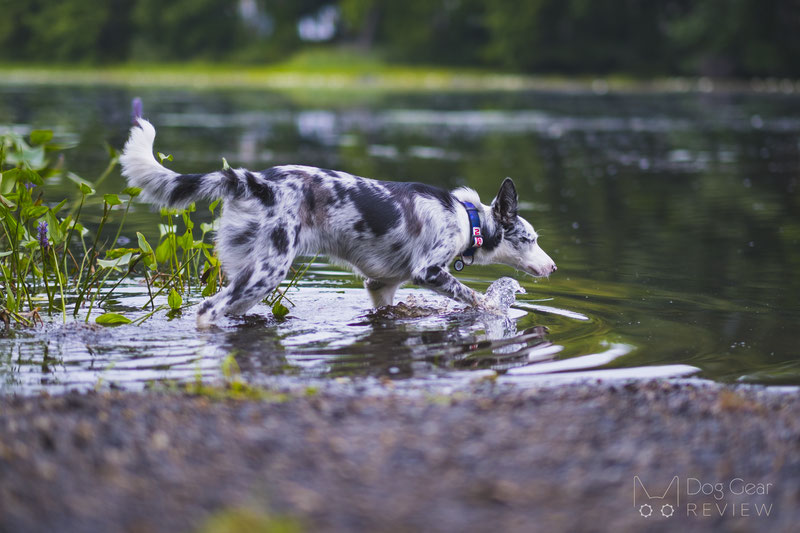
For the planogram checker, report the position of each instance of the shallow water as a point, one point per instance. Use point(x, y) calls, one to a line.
point(674, 220)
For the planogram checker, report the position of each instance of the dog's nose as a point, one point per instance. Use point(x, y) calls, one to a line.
point(554, 267)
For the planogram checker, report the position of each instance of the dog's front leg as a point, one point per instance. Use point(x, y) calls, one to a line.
point(440, 280)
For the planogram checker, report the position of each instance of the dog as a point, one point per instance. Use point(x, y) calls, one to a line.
point(388, 232)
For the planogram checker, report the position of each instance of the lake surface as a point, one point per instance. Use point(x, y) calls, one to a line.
point(674, 220)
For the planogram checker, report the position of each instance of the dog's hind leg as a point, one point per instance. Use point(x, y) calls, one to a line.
point(381, 292)
point(246, 290)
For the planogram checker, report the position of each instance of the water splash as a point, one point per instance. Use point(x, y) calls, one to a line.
point(501, 295)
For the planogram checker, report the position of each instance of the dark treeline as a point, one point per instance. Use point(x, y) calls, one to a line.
point(639, 37)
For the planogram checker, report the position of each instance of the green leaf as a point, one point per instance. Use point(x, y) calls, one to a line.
point(213, 205)
point(11, 303)
point(84, 186)
point(41, 136)
point(34, 211)
point(149, 257)
point(186, 240)
point(54, 227)
point(9, 180)
point(143, 244)
point(163, 157)
point(112, 319)
point(7, 203)
point(225, 165)
point(279, 310)
point(112, 199)
point(34, 157)
point(164, 250)
point(174, 300)
point(57, 208)
point(112, 152)
point(133, 192)
point(115, 263)
point(210, 289)
point(205, 227)
point(116, 253)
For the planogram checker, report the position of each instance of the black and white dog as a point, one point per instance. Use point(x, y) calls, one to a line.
point(388, 232)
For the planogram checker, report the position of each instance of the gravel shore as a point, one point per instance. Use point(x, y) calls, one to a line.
point(547, 459)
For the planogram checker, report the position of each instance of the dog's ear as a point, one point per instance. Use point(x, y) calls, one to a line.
point(504, 206)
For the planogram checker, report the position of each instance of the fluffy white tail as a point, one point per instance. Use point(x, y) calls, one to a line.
point(164, 187)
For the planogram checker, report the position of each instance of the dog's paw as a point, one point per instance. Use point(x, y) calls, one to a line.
point(204, 320)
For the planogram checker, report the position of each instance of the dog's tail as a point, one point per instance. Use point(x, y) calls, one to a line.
point(164, 187)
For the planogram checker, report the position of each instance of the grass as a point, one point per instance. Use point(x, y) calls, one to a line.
point(231, 388)
point(338, 69)
point(248, 520)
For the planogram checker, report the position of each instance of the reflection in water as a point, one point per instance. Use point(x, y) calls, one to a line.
point(674, 219)
point(329, 333)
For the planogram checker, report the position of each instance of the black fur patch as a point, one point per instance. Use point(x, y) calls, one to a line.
point(434, 276)
point(240, 283)
point(233, 185)
point(341, 191)
point(273, 174)
point(308, 196)
point(247, 236)
point(491, 239)
point(260, 190)
point(360, 226)
point(444, 198)
point(331, 173)
point(280, 239)
point(379, 211)
point(185, 187)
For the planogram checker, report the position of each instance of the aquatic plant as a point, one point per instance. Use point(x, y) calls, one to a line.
point(50, 261)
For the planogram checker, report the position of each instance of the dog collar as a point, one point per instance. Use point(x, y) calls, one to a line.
point(475, 233)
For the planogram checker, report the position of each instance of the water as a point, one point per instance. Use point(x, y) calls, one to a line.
point(674, 220)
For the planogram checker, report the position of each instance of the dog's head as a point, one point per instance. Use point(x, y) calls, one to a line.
point(515, 241)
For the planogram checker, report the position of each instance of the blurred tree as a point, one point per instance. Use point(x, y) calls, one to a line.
point(737, 37)
point(443, 32)
point(68, 30)
point(657, 37)
point(574, 36)
point(283, 37)
point(185, 29)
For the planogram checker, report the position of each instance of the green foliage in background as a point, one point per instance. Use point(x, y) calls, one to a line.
point(658, 37)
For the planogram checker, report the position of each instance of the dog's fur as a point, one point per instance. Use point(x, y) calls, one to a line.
point(388, 232)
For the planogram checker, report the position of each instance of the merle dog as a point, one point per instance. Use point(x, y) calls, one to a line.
point(387, 232)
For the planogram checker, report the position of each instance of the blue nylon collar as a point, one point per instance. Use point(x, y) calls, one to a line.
point(474, 230)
